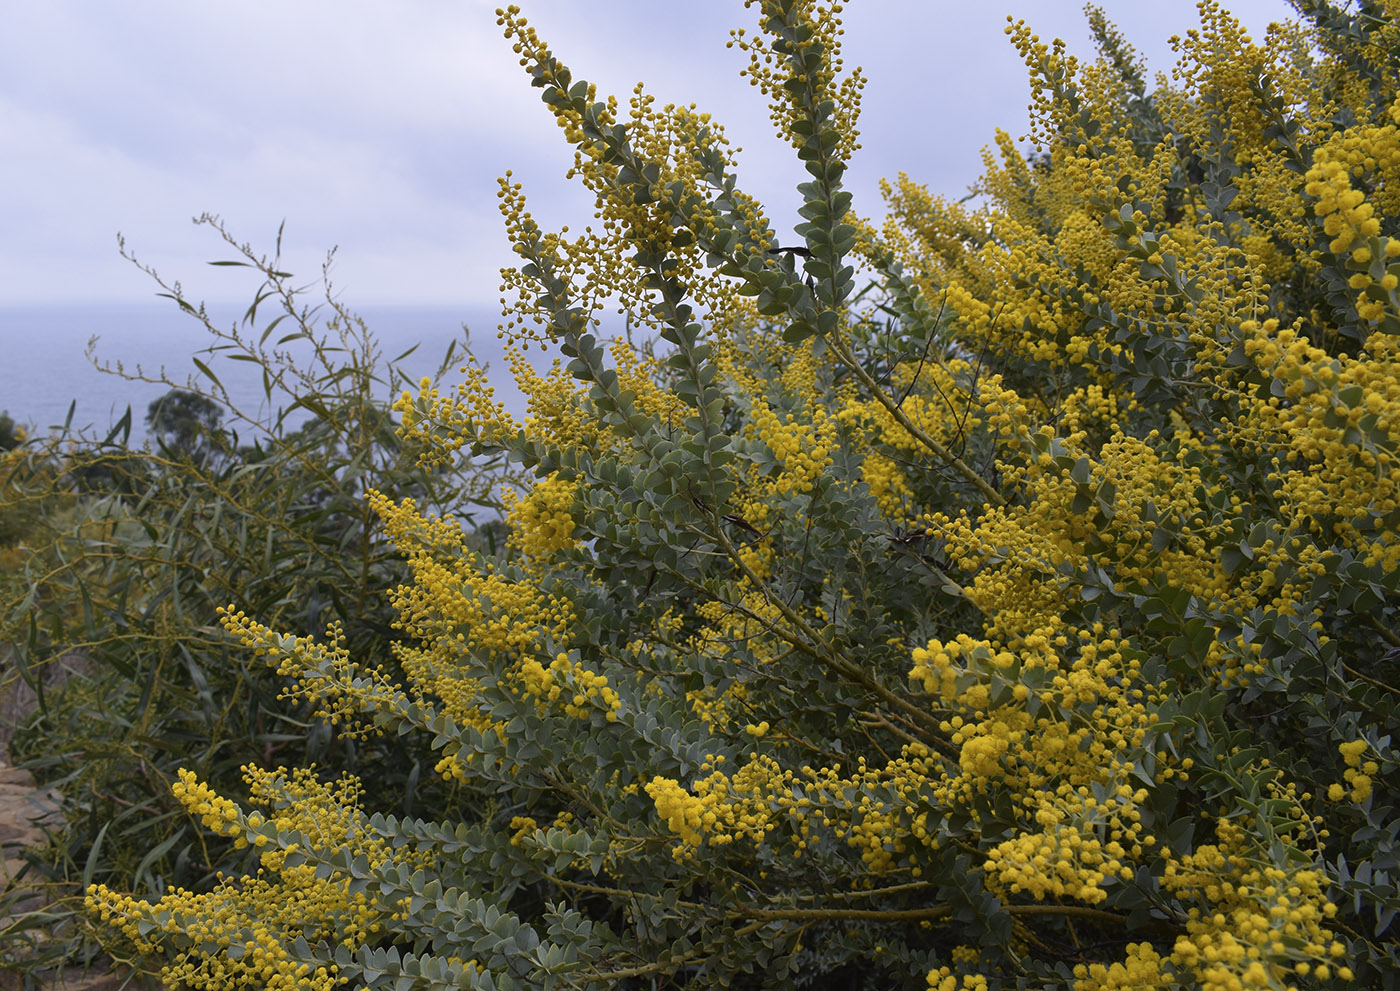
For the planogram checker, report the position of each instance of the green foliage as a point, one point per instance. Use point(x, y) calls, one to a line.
point(128, 552)
point(10, 434)
point(14, 519)
point(186, 424)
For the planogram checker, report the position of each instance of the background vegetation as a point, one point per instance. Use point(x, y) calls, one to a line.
point(117, 556)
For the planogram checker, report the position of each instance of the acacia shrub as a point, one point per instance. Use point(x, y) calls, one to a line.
point(1025, 621)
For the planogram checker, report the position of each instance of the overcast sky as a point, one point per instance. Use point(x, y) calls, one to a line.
point(380, 127)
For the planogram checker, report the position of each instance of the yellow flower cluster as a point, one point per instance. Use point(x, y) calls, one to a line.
point(443, 425)
point(886, 483)
point(1360, 775)
point(811, 70)
point(556, 407)
point(797, 444)
point(683, 812)
point(1223, 59)
point(929, 235)
point(543, 521)
point(934, 395)
point(320, 671)
point(939, 665)
point(1049, 66)
point(674, 141)
point(801, 439)
point(218, 814)
point(878, 811)
point(521, 826)
point(242, 933)
point(1347, 215)
point(641, 375)
point(297, 800)
point(1058, 863)
point(943, 979)
point(1257, 922)
point(1337, 435)
point(1141, 967)
point(1371, 150)
point(459, 594)
point(566, 679)
point(243, 925)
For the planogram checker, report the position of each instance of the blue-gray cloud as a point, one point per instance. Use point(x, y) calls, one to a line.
point(381, 127)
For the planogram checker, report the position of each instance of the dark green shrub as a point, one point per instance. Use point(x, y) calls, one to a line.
point(131, 551)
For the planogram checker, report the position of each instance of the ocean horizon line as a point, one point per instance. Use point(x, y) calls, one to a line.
point(46, 369)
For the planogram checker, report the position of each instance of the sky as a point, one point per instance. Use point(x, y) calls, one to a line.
point(379, 128)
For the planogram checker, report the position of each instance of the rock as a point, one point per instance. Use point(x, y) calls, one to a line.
point(14, 777)
point(24, 813)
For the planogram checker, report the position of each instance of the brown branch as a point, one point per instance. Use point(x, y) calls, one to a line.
point(1369, 680)
point(868, 914)
point(843, 351)
point(661, 965)
point(913, 914)
point(1389, 636)
point(810, 642)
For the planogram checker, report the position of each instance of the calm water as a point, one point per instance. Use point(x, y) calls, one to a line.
point(43, 368)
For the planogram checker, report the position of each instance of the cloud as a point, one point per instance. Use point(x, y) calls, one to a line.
point(381, 127)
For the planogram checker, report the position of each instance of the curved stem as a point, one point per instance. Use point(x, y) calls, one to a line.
point(1389, 636)
point(843, 351)
point(1369, 680)
point(810, 642)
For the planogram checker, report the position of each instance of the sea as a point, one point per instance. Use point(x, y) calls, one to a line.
point(59, 363)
